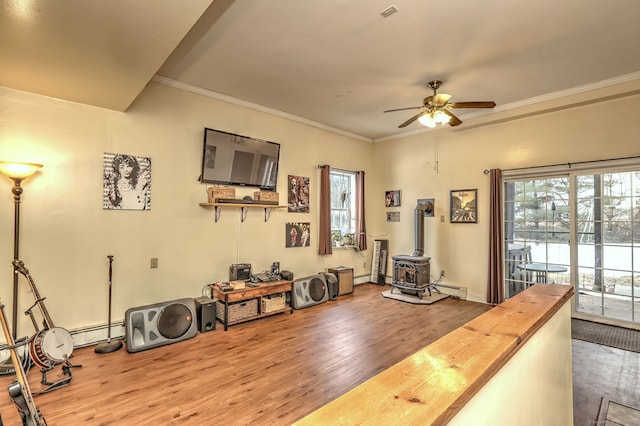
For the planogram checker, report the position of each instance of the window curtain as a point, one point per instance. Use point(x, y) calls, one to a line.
point(361, 228)
point(495, 285)
point(324, 228)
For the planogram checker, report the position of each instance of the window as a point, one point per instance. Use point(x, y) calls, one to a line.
point(343, 206)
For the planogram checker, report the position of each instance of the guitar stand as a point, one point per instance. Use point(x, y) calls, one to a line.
point(66, 370)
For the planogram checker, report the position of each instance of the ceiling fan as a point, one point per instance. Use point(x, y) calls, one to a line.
point(437, 108)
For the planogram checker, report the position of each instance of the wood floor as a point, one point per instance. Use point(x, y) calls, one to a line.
point(271, 371)
point(278, 369)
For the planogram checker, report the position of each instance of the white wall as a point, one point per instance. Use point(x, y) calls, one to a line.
point(534, 387)
point(431, 164)
point(66, 235)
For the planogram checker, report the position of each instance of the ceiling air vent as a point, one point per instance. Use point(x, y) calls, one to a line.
point(389, 11)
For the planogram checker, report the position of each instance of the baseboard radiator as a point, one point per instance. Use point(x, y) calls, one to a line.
point(88, 336)
point(453, 291)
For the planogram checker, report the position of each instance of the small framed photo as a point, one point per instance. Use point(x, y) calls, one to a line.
point(297, 234)
point(392, 198)
point(464, 206)
point(393, 216)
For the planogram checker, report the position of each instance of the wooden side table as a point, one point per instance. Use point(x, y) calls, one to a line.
point(263, 290)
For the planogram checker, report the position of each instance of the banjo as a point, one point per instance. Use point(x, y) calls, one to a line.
point(52, 345)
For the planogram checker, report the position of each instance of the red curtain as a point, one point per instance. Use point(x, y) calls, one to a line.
point(324, 228)
point(495, 284)
point(361, 228)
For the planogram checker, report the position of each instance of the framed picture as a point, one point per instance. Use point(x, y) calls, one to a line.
point(464, 206)
point(392, 198)
point(393, 216)
point(297, 234)
point(126, 182)
point(298, 194)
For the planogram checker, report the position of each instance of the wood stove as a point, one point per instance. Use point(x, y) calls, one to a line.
point(411, 274)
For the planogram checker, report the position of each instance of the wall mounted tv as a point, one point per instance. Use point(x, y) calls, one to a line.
point(232, 159)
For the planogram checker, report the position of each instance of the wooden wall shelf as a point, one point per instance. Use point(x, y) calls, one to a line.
point(243, 208)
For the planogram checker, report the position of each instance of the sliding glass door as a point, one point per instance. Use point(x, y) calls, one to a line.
point(537, 229)
point(608, 245)
point(581, 228)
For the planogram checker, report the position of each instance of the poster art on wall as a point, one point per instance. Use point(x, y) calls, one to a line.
point(298, 194)
point(126, 182)
point(464, 206)
point(392, 198)
point(298, 234)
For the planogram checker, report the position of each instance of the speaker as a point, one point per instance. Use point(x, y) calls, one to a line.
point(345, 279)
point(206, 312)
point(309, 291)
point(240, 272)
point(332, 285)
point(160, 324)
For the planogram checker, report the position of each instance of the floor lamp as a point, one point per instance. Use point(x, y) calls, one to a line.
point(17, 172)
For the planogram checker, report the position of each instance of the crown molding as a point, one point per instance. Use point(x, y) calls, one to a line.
point(249, 105)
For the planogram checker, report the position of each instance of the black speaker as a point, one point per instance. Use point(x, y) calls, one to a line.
point(160, 324)
point(287, 275)
point(206, 312)
point(240, 272)
point(332, 285)
point(309, 291)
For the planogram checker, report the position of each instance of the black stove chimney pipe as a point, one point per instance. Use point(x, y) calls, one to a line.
point(418, 217)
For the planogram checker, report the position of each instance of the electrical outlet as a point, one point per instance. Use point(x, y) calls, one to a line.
point(154, 262)
point(442, 273)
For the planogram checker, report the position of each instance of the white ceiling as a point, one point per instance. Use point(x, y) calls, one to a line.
point(330, 63)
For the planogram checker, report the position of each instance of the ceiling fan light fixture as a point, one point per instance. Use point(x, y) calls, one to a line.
point(436, 109)
point(441, 117)
point(434, 118)
point(427, 120)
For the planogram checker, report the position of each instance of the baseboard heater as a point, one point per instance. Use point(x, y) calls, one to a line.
point(453, 291)
point(88, 336)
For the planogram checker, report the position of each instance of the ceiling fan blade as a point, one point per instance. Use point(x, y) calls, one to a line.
point(453, 120)
point(412, 119)
point(401, 109)
point(478, 104)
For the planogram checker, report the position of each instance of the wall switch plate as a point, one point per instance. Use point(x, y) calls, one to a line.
point(154, 262)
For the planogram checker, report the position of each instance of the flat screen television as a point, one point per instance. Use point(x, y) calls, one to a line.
point(232, 159)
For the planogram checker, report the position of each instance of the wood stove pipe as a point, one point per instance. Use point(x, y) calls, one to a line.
point(418, 217)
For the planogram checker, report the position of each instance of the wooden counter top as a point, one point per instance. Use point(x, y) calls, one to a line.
point(431, 386)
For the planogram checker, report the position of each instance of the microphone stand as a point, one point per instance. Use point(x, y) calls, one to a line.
point(109, 346)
